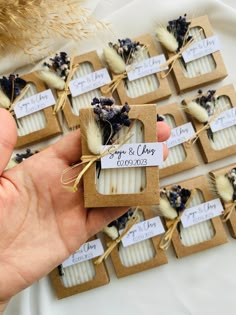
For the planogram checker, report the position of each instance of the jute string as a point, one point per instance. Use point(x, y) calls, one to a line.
point(132, 221)
point(166, 239)
point(229, 208)
point(62, 95)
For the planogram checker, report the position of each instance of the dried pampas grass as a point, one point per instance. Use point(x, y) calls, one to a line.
point(34, 25)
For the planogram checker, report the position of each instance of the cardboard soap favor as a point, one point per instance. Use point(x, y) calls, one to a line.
point(88, 64)
point(182, 156)
point(203, 235)
point(79, 278)
point(123, 186)
point(40, 125)
point(147, 89)
point(204, 70)
point(224, 141)
point(231, 222)
point(139, 256)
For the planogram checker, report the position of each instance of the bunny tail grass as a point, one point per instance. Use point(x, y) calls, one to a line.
point(166, 210)
point(51, 79)
point(114, 61)
point(224, 188)
point(167, 39)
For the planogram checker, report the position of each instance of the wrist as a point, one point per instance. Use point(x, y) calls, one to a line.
point(3, 306)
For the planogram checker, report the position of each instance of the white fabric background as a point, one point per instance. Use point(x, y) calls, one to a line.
point(200, 284)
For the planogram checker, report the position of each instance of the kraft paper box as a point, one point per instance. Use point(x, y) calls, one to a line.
point(88, 63)
point(124, 186)
point(202, 71)
point(147, 89)
point(139, 256)
point(181, 157)
point(224, 141)
point(40, 125)
point(231, 222)
point(93, 276)
point(200, 236)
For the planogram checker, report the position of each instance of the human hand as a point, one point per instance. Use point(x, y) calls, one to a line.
point(41, 222)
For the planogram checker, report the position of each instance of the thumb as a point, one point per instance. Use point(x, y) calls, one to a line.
point(8, 137)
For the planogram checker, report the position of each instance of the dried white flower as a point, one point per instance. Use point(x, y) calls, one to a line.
point(51, 79)
point(114, 61)
point(167, 39)
point(224, 188)
point(197, 111)
point(166, 210)
point(4, 100)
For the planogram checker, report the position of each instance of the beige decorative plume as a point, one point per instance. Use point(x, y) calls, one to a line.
point(30, 25)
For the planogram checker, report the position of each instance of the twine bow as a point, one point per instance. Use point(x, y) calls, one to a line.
point(90, 160)
point(229, 208)
point(112, 86)
point(62, 95)
point(132, 221)
point(172, 224)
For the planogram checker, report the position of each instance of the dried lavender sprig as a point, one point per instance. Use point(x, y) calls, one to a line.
point(20, 157)
point(12, 86)
point(110, 117)
point(180, 28)
point(177, 197)
point(60, 64)
point(127, 49)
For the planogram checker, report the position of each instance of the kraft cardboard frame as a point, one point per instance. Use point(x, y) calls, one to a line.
point(73, 120)
point(199, 183)
point(52, 127)
point(190, 160)
point(209, 154)
point(150, 194)
point(231, 223)
point(101, 278)
point(163, 91)
point(158, 260)
point(183, 83)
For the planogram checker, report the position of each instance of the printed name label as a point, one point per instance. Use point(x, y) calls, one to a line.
point(180, 134)
point(133, 155)
point(225, 119)
point(143, 231)
point(87, 251)
point(146, 67)
point(89, 82)
point(202, 212)
point(201, 48)
point(34, 103)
